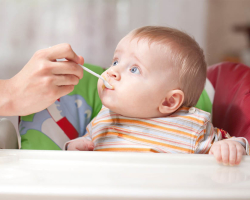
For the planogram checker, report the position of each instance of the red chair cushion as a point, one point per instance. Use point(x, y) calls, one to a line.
point(231, 106)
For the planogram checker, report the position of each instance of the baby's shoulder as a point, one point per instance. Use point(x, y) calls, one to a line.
point(192, 112)
point(190, 117)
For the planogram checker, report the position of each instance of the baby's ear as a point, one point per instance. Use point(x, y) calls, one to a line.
point(172, 101)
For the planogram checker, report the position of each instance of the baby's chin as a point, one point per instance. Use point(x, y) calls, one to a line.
point(110, 104)
point(113, 108)
point(131, 113)
point(107, 102)
point(121, 111)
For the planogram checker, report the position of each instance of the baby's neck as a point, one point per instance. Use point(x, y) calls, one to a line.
point(158, 115)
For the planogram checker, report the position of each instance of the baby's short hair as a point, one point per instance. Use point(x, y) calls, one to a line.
point(186, 56)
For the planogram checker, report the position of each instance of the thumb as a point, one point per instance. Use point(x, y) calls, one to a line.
point(210, 152)
point(80, 60)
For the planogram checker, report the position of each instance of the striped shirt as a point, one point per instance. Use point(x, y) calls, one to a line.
point(188, 130)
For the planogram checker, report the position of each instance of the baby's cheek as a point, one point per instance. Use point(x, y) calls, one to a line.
point(100, 86)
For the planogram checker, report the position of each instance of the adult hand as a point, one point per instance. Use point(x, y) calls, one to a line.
point(41, 81)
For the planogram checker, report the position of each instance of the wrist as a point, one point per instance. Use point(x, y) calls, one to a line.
point(6, 100)
point(240, 140)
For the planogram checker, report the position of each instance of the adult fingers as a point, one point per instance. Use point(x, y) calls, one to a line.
point(232, 154)
point(67, 67)
point(63, 51)
point(64, 90)
point(66, 79)
point(81, 62)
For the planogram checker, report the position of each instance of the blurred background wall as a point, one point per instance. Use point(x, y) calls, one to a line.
point(94, 27)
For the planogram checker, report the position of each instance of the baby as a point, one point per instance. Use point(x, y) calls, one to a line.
point(157, 74)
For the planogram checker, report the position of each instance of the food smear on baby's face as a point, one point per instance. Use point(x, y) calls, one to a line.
point(103, 85)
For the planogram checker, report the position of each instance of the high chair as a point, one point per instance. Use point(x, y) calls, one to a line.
point(40, 174)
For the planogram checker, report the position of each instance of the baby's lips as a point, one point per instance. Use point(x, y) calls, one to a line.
point(103, 86)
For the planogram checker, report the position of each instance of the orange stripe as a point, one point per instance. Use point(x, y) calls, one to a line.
point(128, 149)
point(209, 140)
point(201, 137)
point(142, 140)
point(192, 119)
point(164, 139)
point(146, 124)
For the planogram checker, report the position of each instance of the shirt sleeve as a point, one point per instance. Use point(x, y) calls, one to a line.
point(88, 134)
point(244, 143)
point(207, 136)
point(210, 134)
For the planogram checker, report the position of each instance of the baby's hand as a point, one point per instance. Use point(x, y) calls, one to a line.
point(228, 152)
point(81, 144)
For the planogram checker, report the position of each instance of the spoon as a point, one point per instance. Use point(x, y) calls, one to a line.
point(106, 83)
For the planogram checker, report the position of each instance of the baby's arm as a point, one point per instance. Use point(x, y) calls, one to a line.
point(229, 151)
point(226, 149)
point(84, 143)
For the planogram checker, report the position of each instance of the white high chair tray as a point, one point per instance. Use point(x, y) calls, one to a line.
point(28, 174)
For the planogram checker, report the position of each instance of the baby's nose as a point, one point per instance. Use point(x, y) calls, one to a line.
point(114, 74)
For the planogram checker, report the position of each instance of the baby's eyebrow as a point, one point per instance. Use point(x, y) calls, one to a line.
point(136, 58)
point(132, 54)
point(117, 51)
point(141, 64)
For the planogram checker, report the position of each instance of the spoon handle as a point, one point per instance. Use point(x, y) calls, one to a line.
point(91, 72)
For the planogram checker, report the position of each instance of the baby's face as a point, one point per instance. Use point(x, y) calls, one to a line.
point(141, 76)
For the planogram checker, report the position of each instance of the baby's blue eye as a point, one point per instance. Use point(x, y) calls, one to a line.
point(115, 63)
point(135, 70)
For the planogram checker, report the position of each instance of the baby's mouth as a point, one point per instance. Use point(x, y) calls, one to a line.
point(103, 85)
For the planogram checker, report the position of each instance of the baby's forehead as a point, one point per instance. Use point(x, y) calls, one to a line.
point(151, 43)
point(157, 50)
